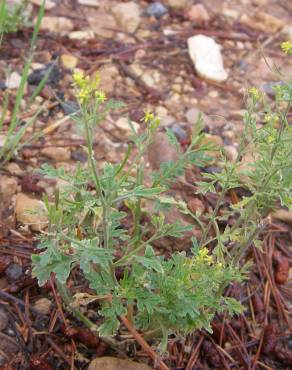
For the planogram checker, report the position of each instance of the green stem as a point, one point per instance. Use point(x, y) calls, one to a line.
point(67, 299)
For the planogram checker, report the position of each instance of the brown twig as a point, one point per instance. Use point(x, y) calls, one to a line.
point(195, 354)
point(161, 365)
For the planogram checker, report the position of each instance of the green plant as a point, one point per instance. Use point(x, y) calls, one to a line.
point(12, 16)
point(86, 228)
point(16, 127)
point(182, 293)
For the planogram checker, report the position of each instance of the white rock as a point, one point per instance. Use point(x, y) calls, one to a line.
point(81, 35)
point(206, 56)
point(30, 211)
point(13, 81)
point(58, 154)
point(8, 186)
point(127, 15)
point(94, 3)
point(57, 24)
point(48, 4)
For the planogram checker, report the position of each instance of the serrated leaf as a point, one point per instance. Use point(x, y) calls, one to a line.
point(109, 327)
point(150, 261)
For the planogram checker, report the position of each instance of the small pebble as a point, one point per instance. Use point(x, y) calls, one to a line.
point(231, 152)
point(13, 81)
point(179, 132)
point(43, 305)
point(79, 155)
point(38, 74)
point(13, 272)
point(69, 107)
point(156, 10)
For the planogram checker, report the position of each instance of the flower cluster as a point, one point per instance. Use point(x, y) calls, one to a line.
point(204, 257)
point(255, 94)
point(286, 46)
point(87, 88)
point(151, 120)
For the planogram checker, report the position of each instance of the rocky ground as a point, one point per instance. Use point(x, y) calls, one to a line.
point(152, 56)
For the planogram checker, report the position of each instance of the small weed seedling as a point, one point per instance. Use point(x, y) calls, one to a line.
point(14, 134)
point(11, 16)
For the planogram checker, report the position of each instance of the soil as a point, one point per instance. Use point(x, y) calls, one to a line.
point(148, 69)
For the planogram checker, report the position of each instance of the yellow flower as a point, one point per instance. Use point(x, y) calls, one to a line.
point(148, 117)
point(79, 79)
point(255, 93)
point(286, 46)
point(271, 118)
point(204, 257)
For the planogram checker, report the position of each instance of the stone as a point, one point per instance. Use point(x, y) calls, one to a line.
point(30, 211)
point(177, 4)
point(127, 15)
point(8, 186)
point(38, 74)
point(69, 61)
point(123, 125)
point(43, 305)
point(13, 272)
point(262, 21)
point(230, 13)
point(231, 152)
point(156, 10)
point(114, 363)
point(287, 31)
point(13, 81)
point(81, 35)
point(195, 205)
point(14, 169)
point(102, 23)
point(108, 76)
point(161, 151)
point(283, 215)
point(69, 107)
point(93, 3)
point(49, 4)
point(198, 14)
point(180, 132)
point(58, 154)
point(192, 115)
point(206, 56)
point(60, 25)
point(214, 139)
point(270, 87)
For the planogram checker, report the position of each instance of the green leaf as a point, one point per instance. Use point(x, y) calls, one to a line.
point(61, 268)
point(150, 261)
point(205, 187)
point(88, 252)
point(109, 327)
point(172, 138)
